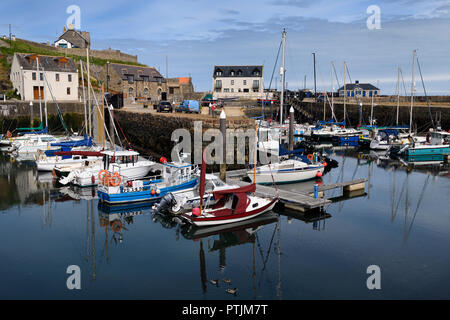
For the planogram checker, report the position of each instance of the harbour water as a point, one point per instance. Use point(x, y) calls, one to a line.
point(401, 223)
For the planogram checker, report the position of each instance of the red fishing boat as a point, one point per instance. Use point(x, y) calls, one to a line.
point(230, 205)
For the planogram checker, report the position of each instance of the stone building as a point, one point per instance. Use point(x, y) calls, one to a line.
point(136, 82)
point(72, 38)
point(238, 82)
point(179, 89)
point(57, 77)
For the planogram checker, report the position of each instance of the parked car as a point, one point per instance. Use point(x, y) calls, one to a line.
point(188, 106)
point(164, 106)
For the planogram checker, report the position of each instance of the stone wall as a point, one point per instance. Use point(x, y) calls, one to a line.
point(385, 115)
point(108, 54)
point(15, 109)
point(150, 134)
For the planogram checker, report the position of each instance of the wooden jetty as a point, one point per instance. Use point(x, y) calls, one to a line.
point(299, 201)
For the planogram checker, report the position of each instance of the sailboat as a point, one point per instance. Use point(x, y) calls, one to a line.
point(230, 205)
point(291, 170)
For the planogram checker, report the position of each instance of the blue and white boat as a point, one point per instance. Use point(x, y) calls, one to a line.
point(176, 176)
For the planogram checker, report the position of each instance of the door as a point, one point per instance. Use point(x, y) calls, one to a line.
point(36, 92)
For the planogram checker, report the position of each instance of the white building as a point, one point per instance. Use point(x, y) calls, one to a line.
point(238, 82)
point(57, 76)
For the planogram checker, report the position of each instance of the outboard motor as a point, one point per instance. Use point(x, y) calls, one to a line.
point(166, 202)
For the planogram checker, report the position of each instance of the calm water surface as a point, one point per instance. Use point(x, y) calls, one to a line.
point(400, 223)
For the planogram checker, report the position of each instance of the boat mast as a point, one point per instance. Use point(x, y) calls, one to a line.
point(345, 91)
point(412, 92)
point(371, 113)
point(398, 95)
point(89, 92)
point(282, 73)
point(84, 97)
point(332, 90)
point(39, 89)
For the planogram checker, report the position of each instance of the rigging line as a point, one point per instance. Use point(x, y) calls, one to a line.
point(425, 91)
point(399, 198)
point(418, 205)
point(267, 256)
point(274, 67)
point(335, 74)
point(403, 81)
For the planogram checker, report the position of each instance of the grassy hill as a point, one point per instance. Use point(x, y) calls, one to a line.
point(8, 48)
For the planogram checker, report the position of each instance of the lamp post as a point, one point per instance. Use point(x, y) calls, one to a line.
point(31, 114)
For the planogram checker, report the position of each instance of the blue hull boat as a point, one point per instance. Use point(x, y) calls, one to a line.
point(149, 191)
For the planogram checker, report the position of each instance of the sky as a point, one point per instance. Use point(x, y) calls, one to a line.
point(195, 35)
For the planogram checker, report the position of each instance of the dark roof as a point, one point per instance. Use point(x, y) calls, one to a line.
point(76, 38)
point(239, 71)
point(48, 63)
point(362, 86)
point(125, 70)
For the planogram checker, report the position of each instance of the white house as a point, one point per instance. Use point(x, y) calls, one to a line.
point(57, 77)
point(238, 81)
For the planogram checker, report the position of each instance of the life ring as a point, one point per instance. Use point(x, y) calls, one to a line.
point(115, 180)
point(310, 157)
point(116, 226)
point(102, 174)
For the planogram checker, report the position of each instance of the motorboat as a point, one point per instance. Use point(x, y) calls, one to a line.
point(126, 163)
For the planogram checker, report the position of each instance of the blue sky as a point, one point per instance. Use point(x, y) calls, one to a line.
point(198, 34)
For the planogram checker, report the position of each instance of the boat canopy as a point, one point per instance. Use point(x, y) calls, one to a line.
point(79, 153)
point(87, 141)
point(120, 153)
point(45, 130)
point(245, 189)
point(332, 122)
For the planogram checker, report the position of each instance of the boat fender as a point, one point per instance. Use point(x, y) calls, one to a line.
point(319, 174)
point(93, 179)
point(152, 192)
point(116, 226)
point(195, 212)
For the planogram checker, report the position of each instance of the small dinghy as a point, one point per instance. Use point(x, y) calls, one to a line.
point(230, 204)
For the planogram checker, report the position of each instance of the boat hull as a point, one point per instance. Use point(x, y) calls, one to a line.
point(285, 176)
point(210, 221)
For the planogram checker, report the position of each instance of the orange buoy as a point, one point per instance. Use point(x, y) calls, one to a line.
point(319, 174)
point(115, 180)
point(324, 164)
point(310, 157)
point(153, 192)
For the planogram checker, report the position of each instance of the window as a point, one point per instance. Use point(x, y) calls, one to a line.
point(68, 91)
point(232, 82)
point(255, 84)
point(218, 84)
point(146, 91)
point(226, 90)
point(130, 78)
point(130, 90)
point(232, 89)
point(245, 82)
point(239, 72)
point(145, 78)
point(69, 77)
point(159, 81)
point(246, 90)
point(57, 76)
point(33, 76)
point(171, 90)
point(218, 73)
point(41, 76)
point(375, 92)
point(232, 73)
